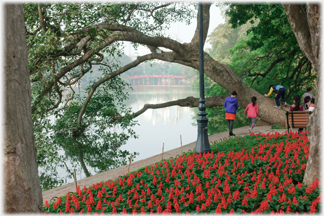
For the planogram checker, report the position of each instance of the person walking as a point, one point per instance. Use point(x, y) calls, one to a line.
point(252, 111)
point(231, 106)
point(308, 93)
point(280, 92)
point(297, 107)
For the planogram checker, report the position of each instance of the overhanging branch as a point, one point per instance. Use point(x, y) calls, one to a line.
point(186, 102)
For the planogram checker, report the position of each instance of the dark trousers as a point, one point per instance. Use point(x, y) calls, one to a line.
point(281, 93)
point(230, 125)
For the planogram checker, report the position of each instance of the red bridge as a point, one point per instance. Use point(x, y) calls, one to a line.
point(157, 80)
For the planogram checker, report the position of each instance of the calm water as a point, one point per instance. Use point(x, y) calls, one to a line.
point(165, 125)
point(156, 126)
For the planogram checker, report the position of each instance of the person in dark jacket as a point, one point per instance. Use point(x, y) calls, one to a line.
point(280, 92)
point(231, 105)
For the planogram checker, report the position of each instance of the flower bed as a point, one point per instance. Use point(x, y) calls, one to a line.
point(260, 173)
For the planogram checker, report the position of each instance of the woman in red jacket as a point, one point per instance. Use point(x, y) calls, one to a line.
point(252, 112)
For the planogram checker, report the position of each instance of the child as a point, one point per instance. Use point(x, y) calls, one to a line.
point(297, 107)
point(312, 105)
point(306, 102)
point(231, 105)
point(252, 112)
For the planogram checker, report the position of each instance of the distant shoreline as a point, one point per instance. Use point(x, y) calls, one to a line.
point(161, 86)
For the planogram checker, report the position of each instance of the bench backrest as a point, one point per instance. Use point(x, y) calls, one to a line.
point(297, 119)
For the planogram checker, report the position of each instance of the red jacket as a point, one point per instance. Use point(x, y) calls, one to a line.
point(253, 111)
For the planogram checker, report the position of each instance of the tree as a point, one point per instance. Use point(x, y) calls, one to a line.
point(82, 45)
point(22, 189)
point(270, 52)
point(305, 24)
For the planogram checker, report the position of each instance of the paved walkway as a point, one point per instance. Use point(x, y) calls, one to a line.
point(120, 171)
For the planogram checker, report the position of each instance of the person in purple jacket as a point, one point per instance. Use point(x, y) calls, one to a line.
point(231, 105)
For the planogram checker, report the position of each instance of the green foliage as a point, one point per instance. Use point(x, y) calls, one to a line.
point(73, 34)
point(257, 43)
point(275, 126)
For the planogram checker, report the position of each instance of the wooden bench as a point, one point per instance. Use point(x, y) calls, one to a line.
point(297, 119)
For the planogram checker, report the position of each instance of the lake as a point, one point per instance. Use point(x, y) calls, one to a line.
point(156, 126)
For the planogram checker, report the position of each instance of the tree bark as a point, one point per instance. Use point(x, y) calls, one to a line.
point(306, 27)
point(22, 189)
point(186, 102)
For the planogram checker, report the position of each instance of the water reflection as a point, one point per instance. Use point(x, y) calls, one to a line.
point(90, 155)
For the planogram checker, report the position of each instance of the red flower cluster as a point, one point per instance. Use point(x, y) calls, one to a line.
point(264, 178)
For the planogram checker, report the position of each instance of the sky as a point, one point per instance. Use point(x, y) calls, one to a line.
point(185, 32)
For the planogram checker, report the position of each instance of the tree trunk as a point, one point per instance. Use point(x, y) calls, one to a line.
point(306, 27)
point(22, 189)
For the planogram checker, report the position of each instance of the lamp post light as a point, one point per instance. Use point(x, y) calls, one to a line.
point(202, 144)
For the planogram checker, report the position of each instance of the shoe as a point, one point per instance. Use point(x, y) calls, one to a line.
point(286, 104)
point(231, 134)
point(250, 129)
point(277, 107)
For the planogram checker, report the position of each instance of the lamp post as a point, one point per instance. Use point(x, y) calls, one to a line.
point(202, 144)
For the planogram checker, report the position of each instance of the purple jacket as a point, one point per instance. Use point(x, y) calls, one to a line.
point(231, 105)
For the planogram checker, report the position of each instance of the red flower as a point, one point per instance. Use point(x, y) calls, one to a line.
point(227, 189)
point(154, 180)
point(152, 197)
point(236, 195)
point(291, 190)
point(159, 209)
point(223, 202)
point(264, 205)
point(46, 204)
point(295, 200)
point(218, 209)
point(54, 206)
point(149, 205)
point(309, 190)
point(229, 199)
point(59, 201)
point(89, 209)
point(136, 195)
point(191, 197)
point(148, 192)
point(143, 210)
point(288, 210)
point(99, 195)
point(244, 202)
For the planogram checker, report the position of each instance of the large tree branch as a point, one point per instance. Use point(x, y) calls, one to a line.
point(116, 36)
point(195, 40)
point(186, 102)
point(273, 64)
